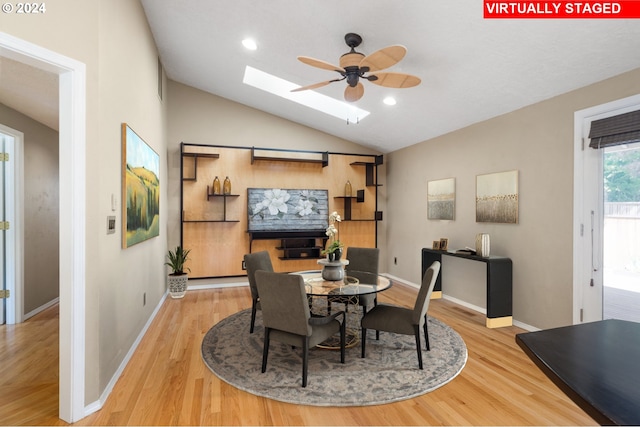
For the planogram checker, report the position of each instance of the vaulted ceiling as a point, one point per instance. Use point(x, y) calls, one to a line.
point(471, 68)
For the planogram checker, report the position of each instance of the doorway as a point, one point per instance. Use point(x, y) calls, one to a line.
point(621, 237)
point(4, 147)
point(72, 131)
point(597, 278)
point(12, 235)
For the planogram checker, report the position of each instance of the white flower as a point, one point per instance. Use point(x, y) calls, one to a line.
point(275, 200)
point(304, 207)
point(334, 217)
point(331, 231)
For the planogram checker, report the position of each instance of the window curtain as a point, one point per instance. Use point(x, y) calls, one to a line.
point(615, 130)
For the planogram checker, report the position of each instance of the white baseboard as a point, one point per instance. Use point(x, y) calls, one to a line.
point(463, 303)
point(97, 405)
point(41, 308)
point(216, 286)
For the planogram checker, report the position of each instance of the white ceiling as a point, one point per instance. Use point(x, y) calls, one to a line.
point(472, 69)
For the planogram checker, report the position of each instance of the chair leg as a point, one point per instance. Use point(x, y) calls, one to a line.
point(375, 302)
point(254, 309)
point(265, 351)
point(364, 311)
point(343, 339)
point(426, 333)
point(418, 345)
point(363, 341)
point(305, 360)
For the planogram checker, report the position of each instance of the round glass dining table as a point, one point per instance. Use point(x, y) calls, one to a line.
point(347, 291)
point(355, 283)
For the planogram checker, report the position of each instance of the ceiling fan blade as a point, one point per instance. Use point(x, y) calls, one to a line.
point(383, 58)
point(320, 64)
point(352, 94)
point(313, 86)
point(397, 80)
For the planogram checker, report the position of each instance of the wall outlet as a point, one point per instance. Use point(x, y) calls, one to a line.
point(244, 266)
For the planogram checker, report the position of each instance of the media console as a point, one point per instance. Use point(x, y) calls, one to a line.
point(295, 244)
point(499, 283)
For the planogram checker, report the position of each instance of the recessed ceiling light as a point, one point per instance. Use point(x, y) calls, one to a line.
point(250, 44)
point(281, 87)
point(389, 100)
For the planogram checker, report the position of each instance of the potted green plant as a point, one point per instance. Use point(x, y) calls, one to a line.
point(178, 279)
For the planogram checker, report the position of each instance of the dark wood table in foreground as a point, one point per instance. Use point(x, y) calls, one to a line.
point(596, 364)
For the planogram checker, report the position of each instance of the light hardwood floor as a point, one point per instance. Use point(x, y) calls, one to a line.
point(167, 383)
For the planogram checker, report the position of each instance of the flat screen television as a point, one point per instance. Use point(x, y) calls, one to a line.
point(281, 209)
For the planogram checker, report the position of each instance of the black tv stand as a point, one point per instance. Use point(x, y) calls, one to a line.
point(295, 244)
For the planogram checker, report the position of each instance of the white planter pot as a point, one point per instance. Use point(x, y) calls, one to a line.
point(177, 285)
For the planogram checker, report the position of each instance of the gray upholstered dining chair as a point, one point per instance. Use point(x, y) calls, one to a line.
point(254, 262)
point(287, 318)
point(401, 320)
point(367, 261)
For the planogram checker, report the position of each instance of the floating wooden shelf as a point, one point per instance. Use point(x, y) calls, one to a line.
point(318, 157)
point(210, 220)
point(195, 157)
point(370, 169)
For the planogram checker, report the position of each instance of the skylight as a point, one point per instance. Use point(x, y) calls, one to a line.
point(325, 104)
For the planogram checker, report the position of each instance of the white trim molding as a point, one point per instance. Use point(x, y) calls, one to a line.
point(585, 206)
point(72, 134)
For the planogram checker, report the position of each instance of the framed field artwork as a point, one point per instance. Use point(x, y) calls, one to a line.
point(497, 197)
point(140, 189)
point(441, 199)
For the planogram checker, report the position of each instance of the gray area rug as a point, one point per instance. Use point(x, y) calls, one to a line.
point(389, 373)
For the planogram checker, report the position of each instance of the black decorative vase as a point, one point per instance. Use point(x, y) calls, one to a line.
point(335, 255)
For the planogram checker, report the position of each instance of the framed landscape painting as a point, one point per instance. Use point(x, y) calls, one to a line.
point(497, 197)
point(140, 189)
point(441, 199)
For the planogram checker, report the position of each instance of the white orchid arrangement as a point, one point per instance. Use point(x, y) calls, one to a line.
point(332, 231)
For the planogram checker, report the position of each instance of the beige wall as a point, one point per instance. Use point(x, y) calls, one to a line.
point(113, 39)
point(538, 142)
point(41, 209)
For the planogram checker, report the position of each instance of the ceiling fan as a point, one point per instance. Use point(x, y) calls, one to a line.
point(355, 66)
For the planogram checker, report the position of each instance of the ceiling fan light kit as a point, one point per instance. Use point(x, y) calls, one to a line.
point(355, 66)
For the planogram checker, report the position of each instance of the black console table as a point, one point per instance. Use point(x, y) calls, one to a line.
point(595, 364)
point(499, 284)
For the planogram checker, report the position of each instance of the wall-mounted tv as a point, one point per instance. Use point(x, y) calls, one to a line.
point(279, 209)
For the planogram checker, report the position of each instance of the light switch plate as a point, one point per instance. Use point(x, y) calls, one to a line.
point(111, 224)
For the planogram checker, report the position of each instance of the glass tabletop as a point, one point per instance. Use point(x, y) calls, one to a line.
point(354, 283)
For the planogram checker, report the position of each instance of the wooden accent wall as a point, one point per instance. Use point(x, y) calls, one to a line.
point(217, 234)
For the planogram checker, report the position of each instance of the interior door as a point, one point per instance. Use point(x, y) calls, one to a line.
point(3, 280)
